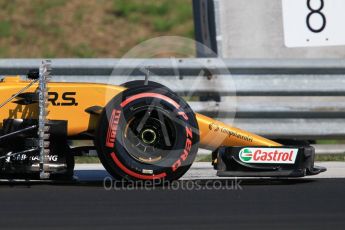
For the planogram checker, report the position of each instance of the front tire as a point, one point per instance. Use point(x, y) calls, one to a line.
point(147, 133)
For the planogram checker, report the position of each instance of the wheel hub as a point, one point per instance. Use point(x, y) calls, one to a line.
point(148, 136)
point(150, 143)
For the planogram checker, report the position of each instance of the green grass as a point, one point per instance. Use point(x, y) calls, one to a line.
point(47, 53)
point(85, 29)
point(3, 51)
point(189, 33)
point(330, 157)
point(162, 25)
point(41, 14)
point(87, 160)
point(123, 8)
point(330, 142)
point(42, 6)
point(161, 15)
point(5, 28)
point(21, 35)
point(79, 14)
point(8, 6)
point(83, 51)
point(204, 158)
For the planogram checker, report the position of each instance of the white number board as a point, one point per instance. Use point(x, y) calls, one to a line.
point(314, 22)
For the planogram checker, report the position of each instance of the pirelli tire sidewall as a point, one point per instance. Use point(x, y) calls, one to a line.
point(113, 154)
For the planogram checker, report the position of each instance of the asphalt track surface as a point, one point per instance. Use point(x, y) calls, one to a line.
point(316, 203)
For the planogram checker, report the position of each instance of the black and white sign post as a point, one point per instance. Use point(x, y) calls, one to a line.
point(313, 22)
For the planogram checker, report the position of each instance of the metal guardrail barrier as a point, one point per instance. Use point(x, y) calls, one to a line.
point(301, 99)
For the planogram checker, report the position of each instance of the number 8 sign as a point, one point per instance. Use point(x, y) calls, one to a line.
point(313, 22)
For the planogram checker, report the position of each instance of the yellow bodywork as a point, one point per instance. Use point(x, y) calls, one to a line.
point(212, 133)
point(86, 95)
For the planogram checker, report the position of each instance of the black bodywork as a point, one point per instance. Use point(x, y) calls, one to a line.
point(229, 164)
point(20, 135)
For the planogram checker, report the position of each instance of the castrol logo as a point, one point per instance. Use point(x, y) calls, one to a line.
point(268, 155)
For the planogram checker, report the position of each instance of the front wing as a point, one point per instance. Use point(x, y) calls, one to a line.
point(282, 161)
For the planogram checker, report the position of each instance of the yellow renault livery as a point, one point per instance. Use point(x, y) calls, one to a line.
point(141, 131)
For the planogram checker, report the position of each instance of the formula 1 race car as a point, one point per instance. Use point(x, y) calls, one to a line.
point(141, 131)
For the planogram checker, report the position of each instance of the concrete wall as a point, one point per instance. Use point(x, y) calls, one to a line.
point(254, 29)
